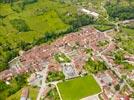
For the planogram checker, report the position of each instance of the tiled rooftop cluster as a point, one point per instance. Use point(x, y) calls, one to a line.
point(72, 44)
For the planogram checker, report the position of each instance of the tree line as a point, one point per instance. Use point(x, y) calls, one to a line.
point(118, 11)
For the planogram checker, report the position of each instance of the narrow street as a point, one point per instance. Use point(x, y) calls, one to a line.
point(43, 84)
point(109, 65)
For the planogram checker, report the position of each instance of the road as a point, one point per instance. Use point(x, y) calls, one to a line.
point(43, 84)
point(109, 65)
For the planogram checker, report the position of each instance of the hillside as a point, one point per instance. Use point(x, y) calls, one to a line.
point(26, 23)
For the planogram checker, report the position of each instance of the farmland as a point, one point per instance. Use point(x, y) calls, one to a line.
point(69, 89)
point(24, 25)
point(42, 35)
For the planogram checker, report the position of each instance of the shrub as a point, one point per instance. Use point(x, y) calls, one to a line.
point(117, 87)
point(3, 85)
point(18, 6)
point(20, 25)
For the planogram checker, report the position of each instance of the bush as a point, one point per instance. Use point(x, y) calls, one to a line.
point(119, 57)
point(20, 25)
point(117, 87)
point(18, 6)
point(3, 85)
point(29, 1)
point(21, 80)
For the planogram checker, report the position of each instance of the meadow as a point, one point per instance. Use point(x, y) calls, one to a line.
point(26, 23)
point(21, 26)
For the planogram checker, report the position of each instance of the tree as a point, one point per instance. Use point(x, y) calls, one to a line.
point(20, 25)
point(3, 85)
point(21, 80)
point(117, 87)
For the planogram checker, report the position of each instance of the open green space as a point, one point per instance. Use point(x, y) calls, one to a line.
point(119, 59)
point(103, 28)
point(95, 66)
point(125, 39)
point(78, 88)
point(103, 43)
point(33, 92)
point(26, 23)
point(52, 95)
point(55, 76)
point(62, 58)
point(15, 85)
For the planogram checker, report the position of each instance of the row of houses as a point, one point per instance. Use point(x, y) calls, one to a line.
point(36, 58)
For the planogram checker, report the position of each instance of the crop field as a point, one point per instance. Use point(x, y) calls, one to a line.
point(38, 22)
point(26, 23)
point(21, 26)
point(78, 88)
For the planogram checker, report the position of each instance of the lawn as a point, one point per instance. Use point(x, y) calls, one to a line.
point(79, 88)
point(33, 92)
point(103, 28)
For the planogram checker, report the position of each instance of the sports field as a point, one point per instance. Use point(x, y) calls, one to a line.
point(79, 88)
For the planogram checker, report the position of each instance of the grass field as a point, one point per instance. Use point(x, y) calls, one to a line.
point(78, 88)
point(103, 27)
point(41, 17)
point(39, 24)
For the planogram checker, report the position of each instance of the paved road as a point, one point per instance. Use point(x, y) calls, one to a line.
point(110, 65)
point(43, 85)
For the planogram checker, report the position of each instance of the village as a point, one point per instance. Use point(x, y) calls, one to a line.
point(69, 55)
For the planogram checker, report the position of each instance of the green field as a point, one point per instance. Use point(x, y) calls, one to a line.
point(33, 92)
point(15, 85)
point(41, 18)
point(26, 23)
point(103, 28)
point(78, 88)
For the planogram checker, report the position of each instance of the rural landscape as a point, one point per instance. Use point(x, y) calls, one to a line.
point(66, 49)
